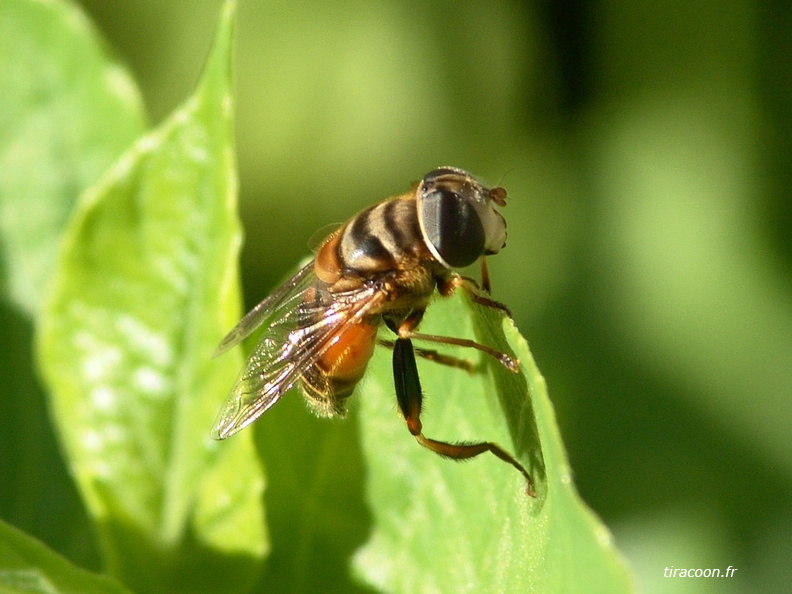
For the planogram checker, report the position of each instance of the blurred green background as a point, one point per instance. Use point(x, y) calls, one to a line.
point(646, 150)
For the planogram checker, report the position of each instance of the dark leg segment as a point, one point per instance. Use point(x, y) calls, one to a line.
point(408, 393)
point(408, 384)
point(485, 279)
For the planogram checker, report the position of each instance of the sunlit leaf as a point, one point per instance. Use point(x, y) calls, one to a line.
point(68, 112)
point(469, 527)
point(146, 286)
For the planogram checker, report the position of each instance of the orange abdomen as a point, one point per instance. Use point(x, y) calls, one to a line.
point(345, 362)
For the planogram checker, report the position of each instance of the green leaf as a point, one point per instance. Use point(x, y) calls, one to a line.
point(146, 286)
point(28, 566)
point(68, 113)
point(470, 527)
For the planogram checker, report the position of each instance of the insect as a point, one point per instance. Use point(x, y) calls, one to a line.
point(381, 266)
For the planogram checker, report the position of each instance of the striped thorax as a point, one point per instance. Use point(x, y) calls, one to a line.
point(447, 221)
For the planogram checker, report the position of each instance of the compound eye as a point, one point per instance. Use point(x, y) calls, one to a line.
point(452, 226)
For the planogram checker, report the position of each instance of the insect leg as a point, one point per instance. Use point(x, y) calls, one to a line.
point(434, 356)
point(447, 287)
point(485, 279)
point(508, 362)
point(409, 396)
point(405, 331)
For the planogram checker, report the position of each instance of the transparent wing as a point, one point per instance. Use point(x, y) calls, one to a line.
point(285, 298)
point(304, 321)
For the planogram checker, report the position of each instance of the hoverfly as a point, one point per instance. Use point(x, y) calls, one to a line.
point(383, 265)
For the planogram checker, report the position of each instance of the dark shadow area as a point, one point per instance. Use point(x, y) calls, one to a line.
point(775, 95)
point(36, 491)
point(315, 501)
point(516, 398)
point(190, 568)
